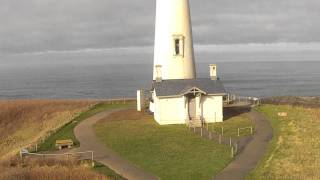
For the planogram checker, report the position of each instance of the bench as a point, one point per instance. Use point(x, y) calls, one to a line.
point(66, 143)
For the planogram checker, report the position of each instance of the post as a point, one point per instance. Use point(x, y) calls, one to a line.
point(92, 159)
point(219, 138)
point(201, 132)
point(194, 129)
point(230, 142)
point(124, 100)
point(36, 147)
point(222, 130)
point(140, 100)
point(251, 130)
point(232, 153)
point(238, 132)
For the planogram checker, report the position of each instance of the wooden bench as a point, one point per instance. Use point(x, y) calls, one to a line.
point(66, 143)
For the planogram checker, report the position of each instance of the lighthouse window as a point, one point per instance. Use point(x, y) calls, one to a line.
point(178, 45)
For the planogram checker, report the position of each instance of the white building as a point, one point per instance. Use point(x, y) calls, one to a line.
point(178, 97)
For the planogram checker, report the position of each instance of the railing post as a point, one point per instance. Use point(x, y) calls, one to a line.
point(222, 130)
point(92, 159)
point(251, 130)
point(238, 132)
point(230, 142)
point(232, 153)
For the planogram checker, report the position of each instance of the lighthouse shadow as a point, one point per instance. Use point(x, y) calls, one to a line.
point(229, 112)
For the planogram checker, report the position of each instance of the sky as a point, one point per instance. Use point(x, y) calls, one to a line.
point(42, 26)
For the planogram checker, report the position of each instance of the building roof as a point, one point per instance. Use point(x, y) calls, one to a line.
point(176, 87)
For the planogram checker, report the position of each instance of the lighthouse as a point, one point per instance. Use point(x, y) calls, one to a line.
point(173, 49)
point(177, 95)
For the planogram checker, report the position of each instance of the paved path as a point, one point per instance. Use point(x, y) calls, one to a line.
point(104, 155)
point(252, 153)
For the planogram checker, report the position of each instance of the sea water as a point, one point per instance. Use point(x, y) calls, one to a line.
point(117, 74)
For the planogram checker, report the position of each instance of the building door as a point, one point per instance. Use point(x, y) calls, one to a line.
point(192, 106)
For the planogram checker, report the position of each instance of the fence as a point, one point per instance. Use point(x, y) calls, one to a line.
point(86, 155)
point(246, 100)
point(250, 127)
point(218, 137)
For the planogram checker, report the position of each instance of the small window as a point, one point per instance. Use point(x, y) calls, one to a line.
point(178, 45)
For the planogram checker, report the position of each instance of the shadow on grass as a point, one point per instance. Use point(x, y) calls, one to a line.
point(230, 112)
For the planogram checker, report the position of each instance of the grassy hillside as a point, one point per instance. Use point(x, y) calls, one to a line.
point(294, 150)
point(170, 152)
point(49, 169)
point(25, 121)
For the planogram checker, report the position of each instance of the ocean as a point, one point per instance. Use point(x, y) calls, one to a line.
point(117, 74)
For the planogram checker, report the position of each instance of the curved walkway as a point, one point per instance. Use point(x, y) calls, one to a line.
point(89, 142)
point(247, 160)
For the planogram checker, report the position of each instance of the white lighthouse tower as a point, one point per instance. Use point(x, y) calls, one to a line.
point(173, 51)
point(177, 96)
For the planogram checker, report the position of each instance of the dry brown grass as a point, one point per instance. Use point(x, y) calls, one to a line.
point(49, 169)
point(25, 121)
point(294, 150)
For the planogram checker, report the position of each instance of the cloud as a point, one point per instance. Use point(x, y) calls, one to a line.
point(70, 25)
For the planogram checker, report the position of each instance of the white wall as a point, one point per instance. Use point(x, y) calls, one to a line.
point(175, 110)
point(212, 108)
point(170, 111)
point(173, 18)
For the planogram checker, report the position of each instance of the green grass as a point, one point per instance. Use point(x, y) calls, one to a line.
point(170, 152)
point(231, 125)
point(293, 152)
point(66, 132)
point(107, 171)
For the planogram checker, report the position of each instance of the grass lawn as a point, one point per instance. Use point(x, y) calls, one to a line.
point(294, 150)
point(170, 152)
point(231, 125)
point(66, 132)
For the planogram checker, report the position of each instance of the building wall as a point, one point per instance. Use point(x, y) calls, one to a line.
point(170, 110)
point(175, 110)
point(212, 108)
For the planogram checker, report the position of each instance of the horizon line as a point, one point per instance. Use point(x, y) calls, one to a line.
point(238, 47)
